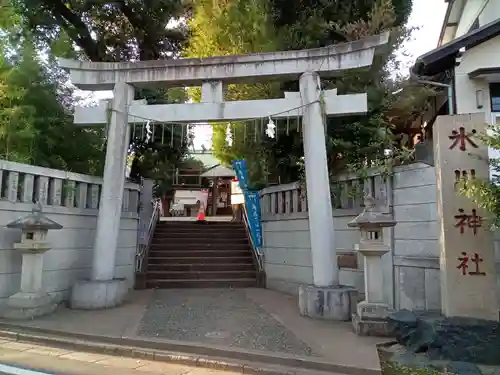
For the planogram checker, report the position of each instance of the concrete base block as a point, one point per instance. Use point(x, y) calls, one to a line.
point(94, 294)
point(370, 319)
point(378, 328)
point(24, 305)
point(330, 303)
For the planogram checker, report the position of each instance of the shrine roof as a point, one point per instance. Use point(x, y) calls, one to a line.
point(219, 171)
point(327, 61)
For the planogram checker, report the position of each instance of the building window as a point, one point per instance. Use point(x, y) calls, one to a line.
point(495, 97)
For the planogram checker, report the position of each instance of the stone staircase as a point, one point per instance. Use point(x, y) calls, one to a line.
point(209, 255)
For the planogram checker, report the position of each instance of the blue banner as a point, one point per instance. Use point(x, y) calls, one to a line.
point(240, 168)
point(252, 204)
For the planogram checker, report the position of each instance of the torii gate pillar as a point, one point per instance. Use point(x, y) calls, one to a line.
point(325, 272)
point(103, 290)
point(325, 299)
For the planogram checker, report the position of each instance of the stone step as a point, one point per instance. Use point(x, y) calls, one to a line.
point(192, 260)
point(201, 283)
point(203, 233)
point(200, 226)
point(195, 239)
point(167, 266)
point(203, 275)
point(194, 253)
point(186, 246)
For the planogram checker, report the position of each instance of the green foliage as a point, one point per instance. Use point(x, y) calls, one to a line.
point(141, 30)
point(316, 23)
point(396, 369)
point(224, 27)
point(486, 193)
point(35, 120)
point(236, 26)
point(104, 30)
point(115, 31)
point(231, 27)
point(157, 158)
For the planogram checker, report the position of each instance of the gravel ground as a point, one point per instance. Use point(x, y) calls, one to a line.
point(219, 317)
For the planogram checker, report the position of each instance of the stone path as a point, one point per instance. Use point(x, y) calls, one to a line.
point(218, 317)
point(254, 320)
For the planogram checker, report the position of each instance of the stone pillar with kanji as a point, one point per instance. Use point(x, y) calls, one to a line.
point(467, 256)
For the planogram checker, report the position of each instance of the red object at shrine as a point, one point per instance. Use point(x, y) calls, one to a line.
point(472, 221)
point(461, 137)
point(464, 264)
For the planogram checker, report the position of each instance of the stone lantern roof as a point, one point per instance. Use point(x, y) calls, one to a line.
point(371, 217)
point(35, 221)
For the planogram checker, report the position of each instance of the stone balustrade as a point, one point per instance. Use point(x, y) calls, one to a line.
point(72, 200)
point(289, 200)
point(21, 183)
point(285, 218)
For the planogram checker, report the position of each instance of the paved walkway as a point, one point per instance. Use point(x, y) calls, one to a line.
point(243, 319)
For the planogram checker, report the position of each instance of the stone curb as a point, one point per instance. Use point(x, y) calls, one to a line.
point(192, 355)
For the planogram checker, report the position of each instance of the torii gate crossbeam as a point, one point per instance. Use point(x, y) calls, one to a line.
point(290, 106)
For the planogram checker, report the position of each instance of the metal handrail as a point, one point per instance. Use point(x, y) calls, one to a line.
point(143, 249)
point(259, 255)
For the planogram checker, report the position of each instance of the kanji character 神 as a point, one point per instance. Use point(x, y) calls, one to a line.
point(472, 221)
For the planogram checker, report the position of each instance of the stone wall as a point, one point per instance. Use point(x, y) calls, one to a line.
point(415, 247)
point(412, 263)
point(287, 248)
point(411, 269)
point(287, 253)
point(71, 200)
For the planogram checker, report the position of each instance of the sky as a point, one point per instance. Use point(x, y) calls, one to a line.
point(427, 15)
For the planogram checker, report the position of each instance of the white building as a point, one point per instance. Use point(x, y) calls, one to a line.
point(468, 57)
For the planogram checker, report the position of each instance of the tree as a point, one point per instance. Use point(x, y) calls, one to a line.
point(237, 26)
point(486, 193)
point(317, 23)
point(117, 31)
point(158, 156)
point(123, 30)
point(227, 27)
point(35, 118)
point(362, 141)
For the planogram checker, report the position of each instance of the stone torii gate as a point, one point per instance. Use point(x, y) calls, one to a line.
point(320, 299)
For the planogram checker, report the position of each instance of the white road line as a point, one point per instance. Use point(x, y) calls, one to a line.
point(19, 371)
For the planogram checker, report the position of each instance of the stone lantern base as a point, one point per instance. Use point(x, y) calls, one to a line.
point(330, 303)
point(25, 305)
point(370, 319)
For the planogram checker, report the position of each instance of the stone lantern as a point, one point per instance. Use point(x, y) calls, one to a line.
point(370, 318)
point(31, 301)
